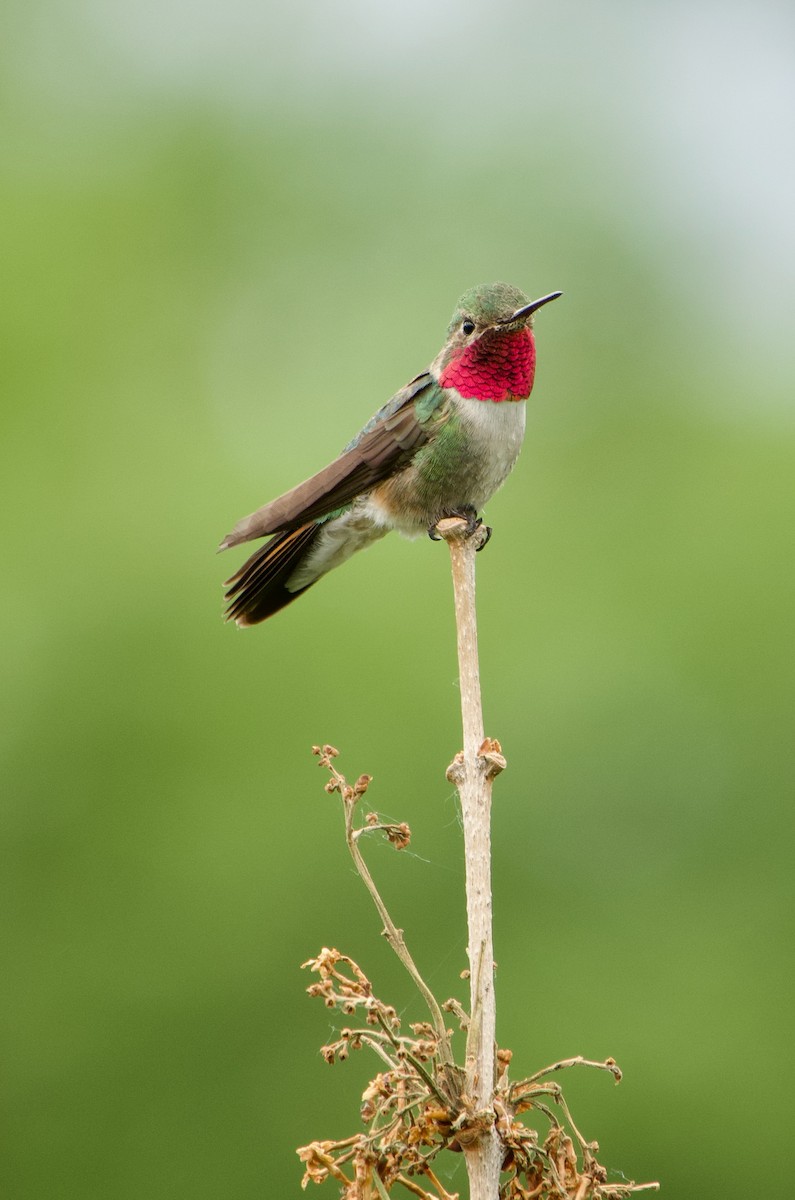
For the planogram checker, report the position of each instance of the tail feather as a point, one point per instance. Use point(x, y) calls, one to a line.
point(258, 589)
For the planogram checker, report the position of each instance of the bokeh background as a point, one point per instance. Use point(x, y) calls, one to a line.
point(229, 233)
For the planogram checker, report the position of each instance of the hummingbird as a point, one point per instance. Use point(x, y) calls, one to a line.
point(441, 447)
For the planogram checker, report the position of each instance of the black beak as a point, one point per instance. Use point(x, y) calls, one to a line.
point(529, 308)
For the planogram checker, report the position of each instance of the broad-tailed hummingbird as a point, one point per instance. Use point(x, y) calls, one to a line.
point(440, 447)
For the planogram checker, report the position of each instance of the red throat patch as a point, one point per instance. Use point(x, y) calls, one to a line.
point(500, 365)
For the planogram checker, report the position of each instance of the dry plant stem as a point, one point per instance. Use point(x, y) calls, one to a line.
point(473, 777)
point(424, 1103)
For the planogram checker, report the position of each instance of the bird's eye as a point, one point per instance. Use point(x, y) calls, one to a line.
point(467, 326)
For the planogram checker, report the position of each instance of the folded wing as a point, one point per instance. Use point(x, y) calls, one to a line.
point(386, 445)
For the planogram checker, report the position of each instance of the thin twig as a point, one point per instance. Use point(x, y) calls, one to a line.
point(414, 1188)
point(443, 1194)
point(415, 1062)
point(396, 940)
point(608, 1065)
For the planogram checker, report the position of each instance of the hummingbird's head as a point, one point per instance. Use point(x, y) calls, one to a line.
point(490, 351)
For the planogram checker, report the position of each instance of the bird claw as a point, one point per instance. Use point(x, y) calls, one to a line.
point(472, 519)
point(467, 514)
point(487, 530)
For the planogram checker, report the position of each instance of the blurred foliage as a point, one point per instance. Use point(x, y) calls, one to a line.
point(202, 301)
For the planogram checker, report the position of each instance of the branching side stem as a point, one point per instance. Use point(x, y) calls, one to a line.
point(394, 935)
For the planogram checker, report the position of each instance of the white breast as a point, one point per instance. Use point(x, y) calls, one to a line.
point(496, 433)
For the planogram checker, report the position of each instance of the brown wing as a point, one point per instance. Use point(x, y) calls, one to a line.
point(385, 445)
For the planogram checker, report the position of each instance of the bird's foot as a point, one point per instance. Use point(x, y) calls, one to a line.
point(487, 531)
point(473, 523)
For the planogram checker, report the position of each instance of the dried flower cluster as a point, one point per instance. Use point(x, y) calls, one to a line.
point(407, 1114)
point(416, 1106)
point(411, 1116)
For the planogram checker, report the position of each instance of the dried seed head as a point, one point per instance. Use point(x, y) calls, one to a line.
point(399, 835)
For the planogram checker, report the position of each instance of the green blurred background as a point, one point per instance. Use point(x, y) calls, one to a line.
point(228, 234)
